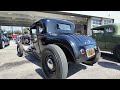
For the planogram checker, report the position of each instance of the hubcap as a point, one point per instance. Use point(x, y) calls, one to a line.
point(50, 63)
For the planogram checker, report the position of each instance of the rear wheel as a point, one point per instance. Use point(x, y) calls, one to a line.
point(3, 45)
point(19, 50)
point(116, 53)
point(54, 62)
point(8, 43)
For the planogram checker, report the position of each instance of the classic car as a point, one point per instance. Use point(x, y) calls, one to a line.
point(4, 41)
point(108, 38)
point(56, 43)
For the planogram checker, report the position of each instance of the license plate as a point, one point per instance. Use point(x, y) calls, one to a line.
point(90, 52)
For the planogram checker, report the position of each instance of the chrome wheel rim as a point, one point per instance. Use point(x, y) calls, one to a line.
point(50, 64)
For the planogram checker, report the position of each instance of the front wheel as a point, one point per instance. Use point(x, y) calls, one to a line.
point(116, 53)
point(19, 50)
point(54, 62)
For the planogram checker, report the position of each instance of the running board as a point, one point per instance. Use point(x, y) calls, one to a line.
point(106, 52)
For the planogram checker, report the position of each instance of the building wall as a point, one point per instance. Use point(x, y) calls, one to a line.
point(89, 25)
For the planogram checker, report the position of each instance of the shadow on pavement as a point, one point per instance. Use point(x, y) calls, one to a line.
point(109, 57)
point(39, 71)
point(111, 65)
point(73, 68)
point(35, 61)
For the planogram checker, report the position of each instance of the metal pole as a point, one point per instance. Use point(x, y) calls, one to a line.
point(21, 30)
point(12, 31)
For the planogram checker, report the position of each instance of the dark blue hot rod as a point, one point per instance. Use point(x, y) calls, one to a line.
point(56, 43)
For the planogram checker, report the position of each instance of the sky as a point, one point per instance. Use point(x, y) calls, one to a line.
point(108, 14)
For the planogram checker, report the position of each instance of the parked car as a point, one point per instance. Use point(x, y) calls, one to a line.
point(55, 42)
point(25, 39)
point(4, 41)
point(108, 38)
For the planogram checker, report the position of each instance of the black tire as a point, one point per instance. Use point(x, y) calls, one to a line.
point(2, 46)
point(94, 59)
point(8, 43)
point(19, 50)
point(59, 61)
point(116, 53)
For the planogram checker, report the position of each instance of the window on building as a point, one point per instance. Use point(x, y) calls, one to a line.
point(108, 21)
point(97, 21)
point(93, 26)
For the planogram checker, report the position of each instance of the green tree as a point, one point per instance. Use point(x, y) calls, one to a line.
point(17, 32)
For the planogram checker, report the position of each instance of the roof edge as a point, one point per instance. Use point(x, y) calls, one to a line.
point(74, 14)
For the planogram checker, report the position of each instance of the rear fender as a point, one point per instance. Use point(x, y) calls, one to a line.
point(67, 49)
point(69, 45)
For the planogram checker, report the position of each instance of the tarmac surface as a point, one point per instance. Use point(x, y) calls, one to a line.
point(28, 67)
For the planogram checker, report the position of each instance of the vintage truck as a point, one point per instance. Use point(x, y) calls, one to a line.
point(56, 43)
point(108, 38)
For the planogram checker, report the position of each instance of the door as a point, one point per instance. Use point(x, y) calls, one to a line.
point(110, 39)
point(5, 39)
point(99, 36)
point(34, 40)
point(36, 34)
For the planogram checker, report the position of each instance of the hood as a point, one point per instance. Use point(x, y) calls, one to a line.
point(81, 40)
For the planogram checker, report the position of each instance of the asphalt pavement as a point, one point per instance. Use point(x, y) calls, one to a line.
point(28, 67)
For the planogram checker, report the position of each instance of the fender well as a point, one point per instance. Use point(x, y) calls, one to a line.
point(69, 54)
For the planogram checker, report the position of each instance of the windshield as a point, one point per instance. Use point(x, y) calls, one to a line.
point(98, 31)
point(63, 26)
